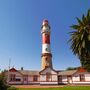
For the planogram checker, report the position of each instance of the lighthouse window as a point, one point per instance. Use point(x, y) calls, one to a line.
point(46, 58)
point(46, 49)
point(46, 35)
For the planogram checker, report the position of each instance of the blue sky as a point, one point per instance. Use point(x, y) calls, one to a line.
point(20, 31)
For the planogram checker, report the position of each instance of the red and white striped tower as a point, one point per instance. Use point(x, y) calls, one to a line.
point(46, 51)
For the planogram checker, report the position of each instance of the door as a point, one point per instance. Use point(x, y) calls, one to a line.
point(82, 77)
point(48, 77)
point(25, 79)
point(60, 78)
point(69, 79)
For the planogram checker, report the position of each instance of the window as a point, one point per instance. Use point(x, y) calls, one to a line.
point(25, 78)
point(82, 77)
point(12, 77)
point(46, 49)
point(46, 58)
point(60, 78)
point(48, 77)
point(35, 78)
point(18, 79)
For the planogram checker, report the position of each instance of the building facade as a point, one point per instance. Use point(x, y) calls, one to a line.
point(47, 75)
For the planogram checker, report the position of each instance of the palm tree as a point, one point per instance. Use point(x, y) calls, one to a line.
point(80, 40)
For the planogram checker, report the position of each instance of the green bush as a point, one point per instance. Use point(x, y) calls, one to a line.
point(12, 88)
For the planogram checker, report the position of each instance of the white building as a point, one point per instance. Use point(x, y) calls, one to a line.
point(48, 76)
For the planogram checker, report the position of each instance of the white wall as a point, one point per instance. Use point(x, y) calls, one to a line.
point(64, 78)
point(30, 78)
point(87, 77)
point(75, 77)
point(49, 83)
point(15, 82)
point(42, 77)
point(54, 78)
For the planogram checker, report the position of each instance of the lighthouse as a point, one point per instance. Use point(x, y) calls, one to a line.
point(46, 57)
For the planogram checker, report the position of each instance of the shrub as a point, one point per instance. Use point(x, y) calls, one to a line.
point(3, 84)
point(12, 88)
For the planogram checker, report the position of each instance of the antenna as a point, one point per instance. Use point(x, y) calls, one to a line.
point(8, 70)
point(9, 63)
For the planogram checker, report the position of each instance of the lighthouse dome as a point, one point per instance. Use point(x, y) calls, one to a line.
point(45, 22)
point(45, 26)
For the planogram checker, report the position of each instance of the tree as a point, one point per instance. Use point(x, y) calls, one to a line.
point(3, 84)
point(80, 40)
point(72, 68)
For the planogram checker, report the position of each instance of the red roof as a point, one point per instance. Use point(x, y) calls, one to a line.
point(45, 20)
point(13, 70)
point(82, 70)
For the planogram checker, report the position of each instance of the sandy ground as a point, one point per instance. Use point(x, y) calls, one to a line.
point(44, 86)
point(36, 86)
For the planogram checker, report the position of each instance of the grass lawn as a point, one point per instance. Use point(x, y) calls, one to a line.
point(61, 88)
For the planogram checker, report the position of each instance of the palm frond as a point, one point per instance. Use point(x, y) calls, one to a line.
point(84, 20)
point(75, 27)
point(88, 14)
point(79, 21)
